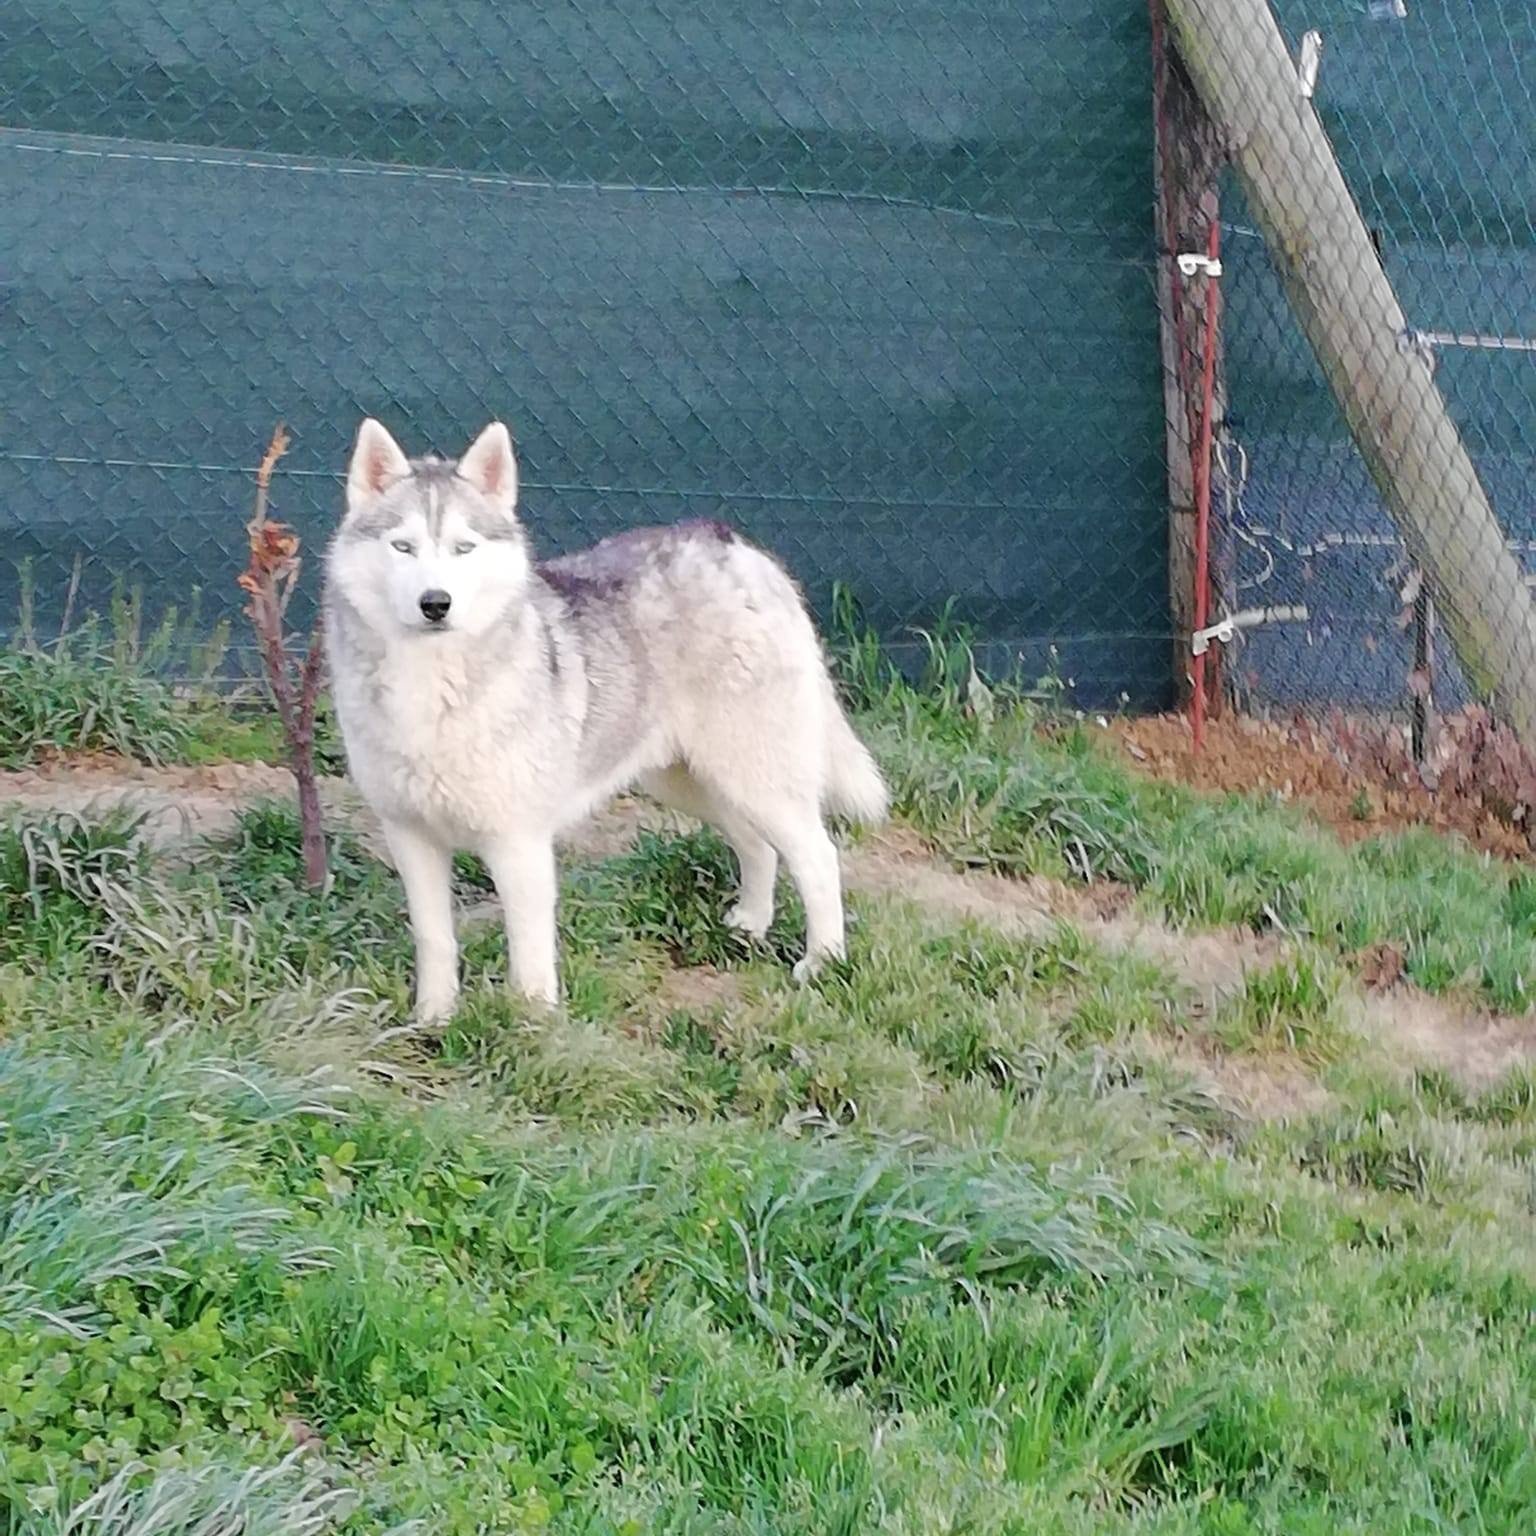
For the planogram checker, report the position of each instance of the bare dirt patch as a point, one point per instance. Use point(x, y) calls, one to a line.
point(1357, 780)
point(176, 802)
point(1254, 1087)
point(1472, 1045)
point(698, 989)
point(894, 862)
point(612, 829)
point(1209, 964)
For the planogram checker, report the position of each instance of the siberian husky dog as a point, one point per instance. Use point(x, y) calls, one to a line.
point(489, 700)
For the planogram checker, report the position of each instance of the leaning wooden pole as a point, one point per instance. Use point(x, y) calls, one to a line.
point(1383, 378)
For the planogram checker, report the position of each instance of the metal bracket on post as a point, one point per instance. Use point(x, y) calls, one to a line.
point(1191, 262)
point(1225, 631)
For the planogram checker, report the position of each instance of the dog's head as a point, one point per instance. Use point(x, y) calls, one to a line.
point(429, 547)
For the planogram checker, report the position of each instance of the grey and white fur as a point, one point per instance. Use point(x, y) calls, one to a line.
point(488, 701)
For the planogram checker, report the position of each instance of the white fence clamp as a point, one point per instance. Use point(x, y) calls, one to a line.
point(1225, 630)
point(1421, 344)
point(1191, 262)
point(1307, 65)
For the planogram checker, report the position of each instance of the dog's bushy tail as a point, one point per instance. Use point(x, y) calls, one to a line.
point(854, 787)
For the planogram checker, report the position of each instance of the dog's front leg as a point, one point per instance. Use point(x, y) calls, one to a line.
point(425, 868)
point(524, 872)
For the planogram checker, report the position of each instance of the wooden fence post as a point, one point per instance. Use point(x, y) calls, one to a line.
point(1186, 168)
point(1383, 378)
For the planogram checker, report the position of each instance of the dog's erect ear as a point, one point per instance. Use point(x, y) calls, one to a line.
point(376, 461)
point(490, 465)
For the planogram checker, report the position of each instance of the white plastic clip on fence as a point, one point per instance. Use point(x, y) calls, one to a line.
point(1309, 62)
point(1191, 262)
point(1421, 344)
point(1246, 618)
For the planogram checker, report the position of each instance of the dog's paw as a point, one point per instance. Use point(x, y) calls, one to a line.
point(434, 1014)
point(754, 925)
point(815, 963)
point(537, 997)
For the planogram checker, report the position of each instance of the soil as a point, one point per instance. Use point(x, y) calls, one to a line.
point(1299, 762)
point(699, 989)
point(176, 802)
point(1471, 1045)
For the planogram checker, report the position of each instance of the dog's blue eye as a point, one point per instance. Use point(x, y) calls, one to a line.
point(403, 545)
point(464, 548)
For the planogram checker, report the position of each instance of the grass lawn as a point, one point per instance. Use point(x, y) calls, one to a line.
point(952, 1240)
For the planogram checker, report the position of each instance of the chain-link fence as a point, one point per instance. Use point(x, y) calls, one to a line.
point(873, 281)
point(1420, 315)
point(919, 296)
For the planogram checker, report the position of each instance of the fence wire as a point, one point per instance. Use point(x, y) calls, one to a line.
point(875, 282)
point(894, 287)
point(1429, 110)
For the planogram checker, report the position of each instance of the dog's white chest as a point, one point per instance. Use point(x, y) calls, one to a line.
point(440, 747)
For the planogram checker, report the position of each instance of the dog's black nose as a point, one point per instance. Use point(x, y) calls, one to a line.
point(435, 605)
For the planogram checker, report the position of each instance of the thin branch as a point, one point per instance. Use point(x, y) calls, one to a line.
point(269, 581)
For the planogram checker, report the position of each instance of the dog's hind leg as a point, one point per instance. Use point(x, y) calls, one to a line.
point(795, 829)
point(765, 770)
point(752, 911)
point(755, 856)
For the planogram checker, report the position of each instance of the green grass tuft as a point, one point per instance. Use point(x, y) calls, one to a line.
point(73, 699)
point(1291, 1005)
point(675, 891)
point(55, 873)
